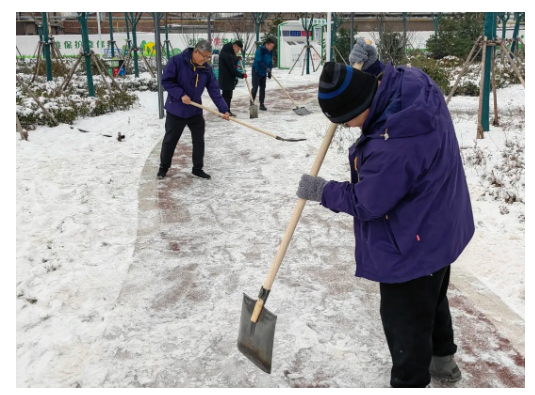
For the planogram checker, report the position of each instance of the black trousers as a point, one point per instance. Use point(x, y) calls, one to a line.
point(174, 126)
point(417, 323)
point(227, 96)
point(259, 82)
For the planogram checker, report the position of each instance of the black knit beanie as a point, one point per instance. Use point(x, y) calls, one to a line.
point(238, 43)
point(344, 92)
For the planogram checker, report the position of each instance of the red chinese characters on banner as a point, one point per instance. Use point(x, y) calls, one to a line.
point(217, 41)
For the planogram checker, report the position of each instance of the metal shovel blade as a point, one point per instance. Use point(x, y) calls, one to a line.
point(253, 111)
point(301, 111)
point(290, 140)
point(255, 340)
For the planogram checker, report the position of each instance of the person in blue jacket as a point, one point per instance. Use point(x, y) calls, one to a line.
point(262, 66)
point(409, 199)
point(185, 78)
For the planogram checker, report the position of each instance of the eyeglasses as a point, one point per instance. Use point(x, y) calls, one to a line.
point(204, 57)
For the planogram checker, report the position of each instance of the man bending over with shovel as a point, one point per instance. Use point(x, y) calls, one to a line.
point(184, 78)
point(410, 202)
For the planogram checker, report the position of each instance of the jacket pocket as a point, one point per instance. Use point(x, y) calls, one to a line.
point(391, 234)
point(379, 238)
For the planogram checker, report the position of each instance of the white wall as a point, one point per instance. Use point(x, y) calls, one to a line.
point(28, 44)
point(70, 44)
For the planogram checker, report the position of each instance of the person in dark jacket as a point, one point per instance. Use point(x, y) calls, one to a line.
point(409, 199)
point(228, 70)
point(262, 66)
point(184, 78)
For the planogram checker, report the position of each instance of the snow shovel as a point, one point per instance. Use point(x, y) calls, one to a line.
point(245, 124)
point(298, 110)
point(253, 108)
point(257, 324)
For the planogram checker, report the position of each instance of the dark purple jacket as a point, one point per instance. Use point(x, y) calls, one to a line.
point(408, 192)
point(181, 77)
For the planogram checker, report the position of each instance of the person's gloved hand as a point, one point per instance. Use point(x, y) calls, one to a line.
point(269, 74)
point(311, 188)
point(244, 75)
point(363, 52)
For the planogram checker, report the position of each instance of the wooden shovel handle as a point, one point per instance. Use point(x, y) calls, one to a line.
point(233, 119)
point(293, 221)
point(287, 94)
point(247, 82)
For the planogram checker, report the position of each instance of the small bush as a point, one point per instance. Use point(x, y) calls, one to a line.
point(434, 70)
point(71, 104)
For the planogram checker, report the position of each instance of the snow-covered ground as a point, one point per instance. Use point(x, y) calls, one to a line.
point(79, 250)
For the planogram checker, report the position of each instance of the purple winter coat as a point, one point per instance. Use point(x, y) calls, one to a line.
point(181, 77)
point(408, 193)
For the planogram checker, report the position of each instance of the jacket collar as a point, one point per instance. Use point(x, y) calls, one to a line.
point(187, 57)
point(406, 104)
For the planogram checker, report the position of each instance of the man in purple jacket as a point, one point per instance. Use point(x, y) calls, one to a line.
point(409, 198)
point(184, 78)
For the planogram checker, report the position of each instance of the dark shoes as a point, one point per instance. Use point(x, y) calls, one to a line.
point(231, 114)
point(161, 173)
point(445, 369)
point(262, 107)
point(200, 173)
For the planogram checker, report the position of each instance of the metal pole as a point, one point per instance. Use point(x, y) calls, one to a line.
point(404, 32)
point(127, 32)
point(381, 37)
point(333, 32)
point(351, 31)
point(490, 33)
point(257, 17)
point(328, 39)
point(518, 18)
point(167, 39)
point(134, 38)
point(158, 62)
point(85, 41)
point(209, 28)
point(112, 43)
point(47, 49)
point(99, 34)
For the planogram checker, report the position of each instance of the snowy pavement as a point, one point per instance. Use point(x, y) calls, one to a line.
point(126, 281)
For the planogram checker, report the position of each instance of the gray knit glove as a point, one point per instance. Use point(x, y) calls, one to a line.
point(311, 188)
point(363, 53)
